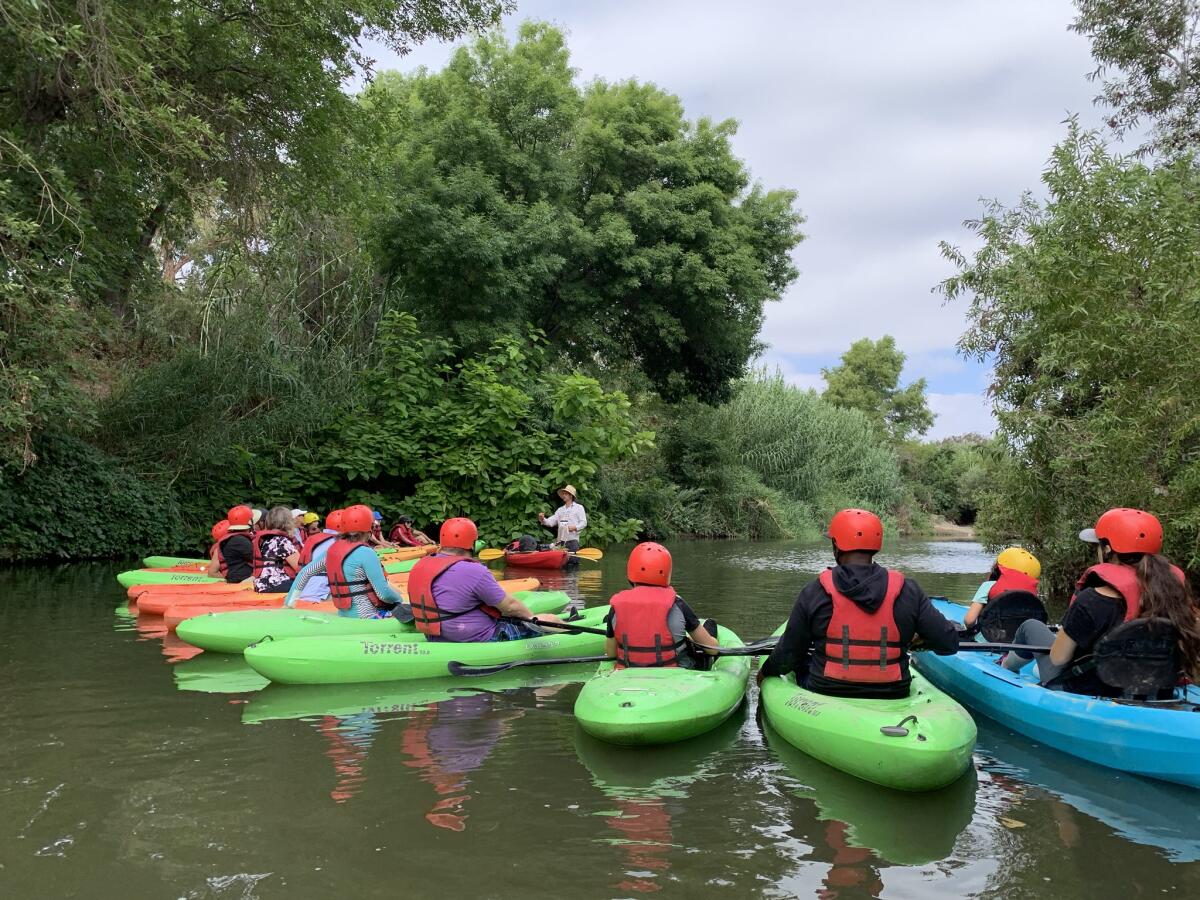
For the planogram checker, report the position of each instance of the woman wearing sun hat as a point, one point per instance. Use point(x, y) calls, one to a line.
point(570, 519)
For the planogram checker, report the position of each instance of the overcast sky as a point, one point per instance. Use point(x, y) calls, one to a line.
point(890, 119)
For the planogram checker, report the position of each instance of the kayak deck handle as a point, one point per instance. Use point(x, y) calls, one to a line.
point(898, 730)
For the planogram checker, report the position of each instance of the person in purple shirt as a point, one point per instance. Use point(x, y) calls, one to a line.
point(462, 601)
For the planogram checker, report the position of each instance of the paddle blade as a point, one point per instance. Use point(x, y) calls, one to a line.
point(489, 554)
point(589, 553)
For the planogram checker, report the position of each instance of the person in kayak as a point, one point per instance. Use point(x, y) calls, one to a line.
point(358, 586)
point(649, 625)
point(1015, 569)
point(233, 557)
point(403, 534)
point(219, 530)
point(298, 533)
point(376, 538)
point(455, 598)
point(276, 552)
point(316, 587)
point(570, 519)
point(1131, 581)
point(850, 629)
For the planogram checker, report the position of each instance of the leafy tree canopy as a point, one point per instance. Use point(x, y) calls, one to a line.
point(1148, 55)
point(1087, 303)
point(868, 379)
point(600, 214)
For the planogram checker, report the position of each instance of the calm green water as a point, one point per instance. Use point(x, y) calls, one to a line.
point(126, 774)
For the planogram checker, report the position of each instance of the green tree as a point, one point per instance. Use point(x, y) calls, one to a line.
point(630, 235)
point(1087, 305)
point(868, 379)
point(120, 124)
point(1148, 54)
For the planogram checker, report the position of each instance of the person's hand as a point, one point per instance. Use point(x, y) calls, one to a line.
point(541, 517)
point(573, 528)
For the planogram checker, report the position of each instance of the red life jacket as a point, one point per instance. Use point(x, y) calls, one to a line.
point(427, 615)
point(261, 562)
point(342, 591)
point(642, 629)
point(863, 647)
point(1123, 580)
point(1012, 580)
point(403, 534)
point(314, 541)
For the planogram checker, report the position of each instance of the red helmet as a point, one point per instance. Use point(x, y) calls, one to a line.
point(333, 521)
point(220, 529)
point(240, 516)
point(1127, 531)
point(357, 518)
point(856, 529)
point(649, 563)
point(460, 533)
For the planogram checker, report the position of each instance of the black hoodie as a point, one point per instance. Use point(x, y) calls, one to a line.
point(801, 648)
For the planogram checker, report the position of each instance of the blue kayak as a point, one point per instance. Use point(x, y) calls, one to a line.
point(1153, 740)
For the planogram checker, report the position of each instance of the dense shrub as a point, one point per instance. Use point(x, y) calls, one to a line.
point(78, 503)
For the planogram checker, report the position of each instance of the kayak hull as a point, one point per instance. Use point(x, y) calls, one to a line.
point(354, 659)
point(934, 751)
point(538, 559)
point(135, 577)
point(177, 615)
point(662, 705)
point(1145, 740)
point(232, 632)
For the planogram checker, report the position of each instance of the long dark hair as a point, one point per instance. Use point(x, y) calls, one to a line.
point(1164, 596)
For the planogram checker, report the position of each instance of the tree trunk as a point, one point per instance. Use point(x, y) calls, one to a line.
point(116, 295)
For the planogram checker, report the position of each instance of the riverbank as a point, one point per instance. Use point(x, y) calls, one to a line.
point(945, 530)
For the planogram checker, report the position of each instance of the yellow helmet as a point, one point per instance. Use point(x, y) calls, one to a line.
point(1020, 559)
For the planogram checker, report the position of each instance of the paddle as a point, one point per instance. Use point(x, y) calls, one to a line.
point(998, 648)
point(590, 553)
point(457, 668)
point(565, 626)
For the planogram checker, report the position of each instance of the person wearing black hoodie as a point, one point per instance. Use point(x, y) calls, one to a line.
point(848, 658)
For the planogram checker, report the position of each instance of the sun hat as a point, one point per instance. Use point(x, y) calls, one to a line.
point(299, 512)
point(569, 489)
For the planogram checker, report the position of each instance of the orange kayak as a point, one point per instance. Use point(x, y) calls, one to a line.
point(176, 614)
point(186, 607)
point(135, 592)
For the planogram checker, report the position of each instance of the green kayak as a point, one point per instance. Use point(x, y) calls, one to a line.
point(143, 576)
point(165, 562)
point(920, 743)
point(353, 659)
point(932, 821)
point(662, 705)
point(233, 632)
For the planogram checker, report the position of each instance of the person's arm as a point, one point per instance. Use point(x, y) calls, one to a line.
point(937, 633)
point(977, 604)
point(316, 567)
point(214, 563)
point(692, 625)
point(1062, 651)
point(610, 640)
point(1084, 621)
point(551, 520)
point(581, 522)
point(792, 649)
point(372, 570)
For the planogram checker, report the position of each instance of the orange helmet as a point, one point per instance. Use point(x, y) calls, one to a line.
point(240, 517)
point(357, 518)
point(649, 563)
point(333, 521)
point(460, 533)
point(856, 529)
point(1126, 531)
point(220, 529)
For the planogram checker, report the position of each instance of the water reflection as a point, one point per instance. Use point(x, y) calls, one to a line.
point(649, 786)
point(869, 813)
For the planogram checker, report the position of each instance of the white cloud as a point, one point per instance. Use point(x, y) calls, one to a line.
point(960, 414)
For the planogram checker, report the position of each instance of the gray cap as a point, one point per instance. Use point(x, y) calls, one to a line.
point(1089, 535)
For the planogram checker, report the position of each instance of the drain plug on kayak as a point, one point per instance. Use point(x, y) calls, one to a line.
point(898, 730)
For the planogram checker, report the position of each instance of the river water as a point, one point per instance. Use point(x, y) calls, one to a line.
point(130, 771)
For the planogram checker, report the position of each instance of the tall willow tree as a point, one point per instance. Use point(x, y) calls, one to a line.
point(1088, 305)
point(119, 121)
point(630, 235)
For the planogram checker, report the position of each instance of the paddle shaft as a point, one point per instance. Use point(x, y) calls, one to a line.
point(457, 668)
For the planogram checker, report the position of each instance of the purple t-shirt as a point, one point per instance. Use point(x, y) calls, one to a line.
point(464, 586)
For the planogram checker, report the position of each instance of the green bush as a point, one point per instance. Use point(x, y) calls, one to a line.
point(78, 503)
